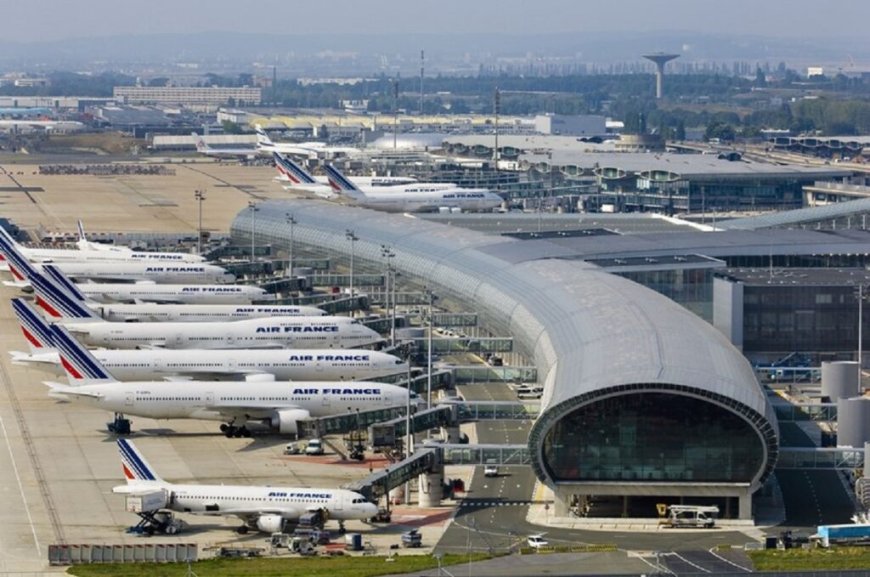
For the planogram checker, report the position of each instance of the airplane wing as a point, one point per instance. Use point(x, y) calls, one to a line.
point(251, 515)
point(243, 413)
point(66, 392)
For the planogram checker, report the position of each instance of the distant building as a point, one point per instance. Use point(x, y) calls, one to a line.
point(579, 125)
point(188, 95)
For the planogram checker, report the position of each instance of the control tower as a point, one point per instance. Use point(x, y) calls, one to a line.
point(660, 58)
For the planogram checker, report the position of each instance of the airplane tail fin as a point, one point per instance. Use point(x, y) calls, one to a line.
point(80, 365)
point(201, 146)
point(136, 468)
point(19, 266)
point(60, 280)
point(58, 303)
point(263, 140)
point(293, 171)
point(36, 331)
point(341, 184)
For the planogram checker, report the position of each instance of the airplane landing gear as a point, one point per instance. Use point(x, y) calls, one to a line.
point(341, 529)
point(230, 431)
point(243, 530)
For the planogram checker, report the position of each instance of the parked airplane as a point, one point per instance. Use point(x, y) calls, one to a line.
point(241, 153)
point(264, 508)
point(277, 406)
point(259, 333)
point(419, 197)
point(88, 253)
point(298, 178)
point(125, 252)
point(158, 293)
point(239, 364)
point(310, 149)
point(48, 297)
point(123, 271)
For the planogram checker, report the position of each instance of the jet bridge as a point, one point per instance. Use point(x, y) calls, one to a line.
point(379, 483)
point(346, 422)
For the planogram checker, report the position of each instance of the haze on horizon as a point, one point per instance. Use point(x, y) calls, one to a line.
point(52, 20)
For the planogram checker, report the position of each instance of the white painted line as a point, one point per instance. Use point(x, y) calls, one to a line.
point(741, 567)
point(20, 488)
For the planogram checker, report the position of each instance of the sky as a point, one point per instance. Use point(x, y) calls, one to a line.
point(46, 20)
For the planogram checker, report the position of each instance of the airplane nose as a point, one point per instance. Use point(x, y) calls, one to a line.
point(370, 510)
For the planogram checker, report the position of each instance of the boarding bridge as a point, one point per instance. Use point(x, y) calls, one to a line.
point(346, 422)
point(388, 433)
point(380, 483)
point(471, 374)
point(839, 458)
point(501, 455)
point(467, 411)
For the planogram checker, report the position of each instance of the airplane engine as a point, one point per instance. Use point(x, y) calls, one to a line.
point(270, 523)
point(285, 420)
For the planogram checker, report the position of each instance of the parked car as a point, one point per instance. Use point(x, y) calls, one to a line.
point(537, 541)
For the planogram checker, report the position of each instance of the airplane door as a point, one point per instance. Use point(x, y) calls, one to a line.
point(129, 400)
point(209, 399)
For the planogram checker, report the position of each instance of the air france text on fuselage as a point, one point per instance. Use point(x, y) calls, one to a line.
point(300, 495)
point(149, 256)
point(211, 289)
point(175, 269)
point(358, 358)
point(338, 391)
point(298, 329)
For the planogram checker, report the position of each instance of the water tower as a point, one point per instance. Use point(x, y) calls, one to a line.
point(660, 58)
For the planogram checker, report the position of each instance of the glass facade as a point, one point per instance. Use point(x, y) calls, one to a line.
point(805, 318)
point(653, 436)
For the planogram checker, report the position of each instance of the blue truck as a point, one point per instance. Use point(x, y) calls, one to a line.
point(848, 533)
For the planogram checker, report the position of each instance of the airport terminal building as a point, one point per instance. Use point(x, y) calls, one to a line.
point(642, 398)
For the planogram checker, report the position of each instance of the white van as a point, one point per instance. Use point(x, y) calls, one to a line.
point(530, 392)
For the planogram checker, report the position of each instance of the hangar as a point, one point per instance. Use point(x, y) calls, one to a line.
point(642, 398)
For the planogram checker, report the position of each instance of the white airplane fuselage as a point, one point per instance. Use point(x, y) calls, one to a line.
point(156, 272)
point(171, 293)
point(216, 400)
point(276, 332)
point(196, 313)
point(236, 364)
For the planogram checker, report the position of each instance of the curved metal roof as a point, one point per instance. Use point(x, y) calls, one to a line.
point(586, 329)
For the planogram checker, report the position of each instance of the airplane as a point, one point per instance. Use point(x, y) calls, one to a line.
point(276, 406)
point(243, 153)
point(46, 291)
point(271, 332)
point(216, 294)
point(240, 364)
point(32, 125)
point(310, 149)
point(419, 197)
point(126, 253)
point(123, 271)
point(298, 178)
point(90, 253)
point(265, 508)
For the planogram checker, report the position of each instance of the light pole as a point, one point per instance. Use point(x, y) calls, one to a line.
point(497, 106)
point(388, 254)
point(291, 221)
point(199, 195)
point(252, 206)
point(431, 323)
point(349, 235)
point(395, 112)
point(860, 334)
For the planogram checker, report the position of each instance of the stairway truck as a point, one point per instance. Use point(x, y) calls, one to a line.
point(147, 502)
